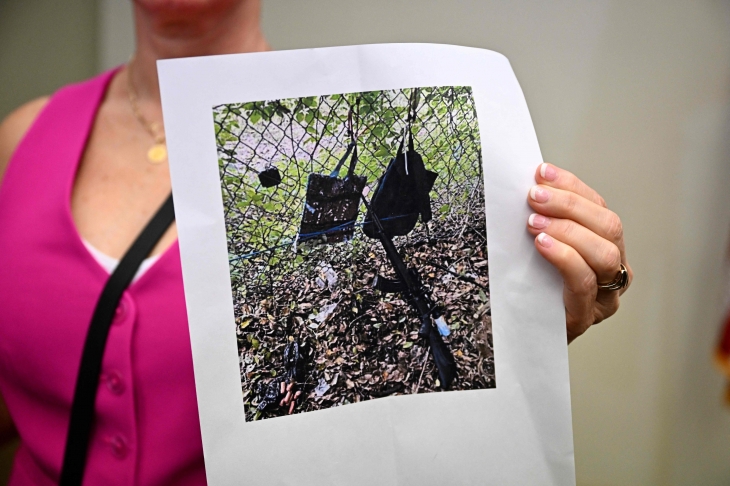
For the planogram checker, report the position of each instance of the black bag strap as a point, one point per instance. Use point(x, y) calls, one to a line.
point(413, 101)
point(338, 167)
point(410, 118)
point(420, 174)
point(351, 147)
point(82, 408)
point(353, 140)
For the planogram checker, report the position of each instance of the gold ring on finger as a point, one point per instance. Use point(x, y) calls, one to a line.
point(619, 283)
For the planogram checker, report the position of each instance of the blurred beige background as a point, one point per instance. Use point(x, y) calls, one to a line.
point(634, 97)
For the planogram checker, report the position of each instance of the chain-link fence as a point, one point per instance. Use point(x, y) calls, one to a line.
point(298, 137)
point(284, 284)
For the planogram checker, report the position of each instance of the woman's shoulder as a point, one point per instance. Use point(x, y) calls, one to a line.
point(14, 127)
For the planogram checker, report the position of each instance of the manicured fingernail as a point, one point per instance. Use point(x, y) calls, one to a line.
point(539, 194)
point(538, 221)
point(548, 172)
point(544, 240)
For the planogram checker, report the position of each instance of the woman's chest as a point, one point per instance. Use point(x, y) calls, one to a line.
point(116, 188)
point(49, 288)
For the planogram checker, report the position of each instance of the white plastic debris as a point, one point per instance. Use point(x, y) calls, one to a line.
point(321, 387)
point(324, 314)
point(326, 277)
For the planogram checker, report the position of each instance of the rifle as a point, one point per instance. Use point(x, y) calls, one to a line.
point(408, 284)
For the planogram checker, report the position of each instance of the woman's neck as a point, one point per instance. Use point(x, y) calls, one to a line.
point(167, 30)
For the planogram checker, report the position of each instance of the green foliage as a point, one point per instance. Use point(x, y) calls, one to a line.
point(309, 135)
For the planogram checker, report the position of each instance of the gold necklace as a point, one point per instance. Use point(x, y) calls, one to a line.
point(158, 152)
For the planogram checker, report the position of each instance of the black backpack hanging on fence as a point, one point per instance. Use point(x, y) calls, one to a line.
point(403, 190)
point(331, 203)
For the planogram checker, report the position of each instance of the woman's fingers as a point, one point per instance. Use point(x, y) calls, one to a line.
point(607, 303)
point(601, 255)
point(563, 204)
point(580, 283)
point(583, 239)
point(558, 178)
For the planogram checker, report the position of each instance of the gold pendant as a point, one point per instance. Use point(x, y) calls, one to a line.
point(157, 153)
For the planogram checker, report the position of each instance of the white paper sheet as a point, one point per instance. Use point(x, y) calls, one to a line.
point(517, 433)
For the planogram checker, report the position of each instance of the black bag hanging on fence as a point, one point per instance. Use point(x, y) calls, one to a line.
point(403, 190)
point(331, 203)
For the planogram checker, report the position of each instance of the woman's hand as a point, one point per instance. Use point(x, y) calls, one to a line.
point(583, 239)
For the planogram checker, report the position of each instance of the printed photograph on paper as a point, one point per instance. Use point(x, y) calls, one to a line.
point(357, 245)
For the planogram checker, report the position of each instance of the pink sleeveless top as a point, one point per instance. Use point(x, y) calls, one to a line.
point(146, 426)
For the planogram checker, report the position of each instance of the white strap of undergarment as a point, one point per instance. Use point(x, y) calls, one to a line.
point(110, 263)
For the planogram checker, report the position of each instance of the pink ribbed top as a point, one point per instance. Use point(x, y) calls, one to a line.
point(146, 426)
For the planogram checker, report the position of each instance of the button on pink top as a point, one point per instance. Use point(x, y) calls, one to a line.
point(146, 425)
